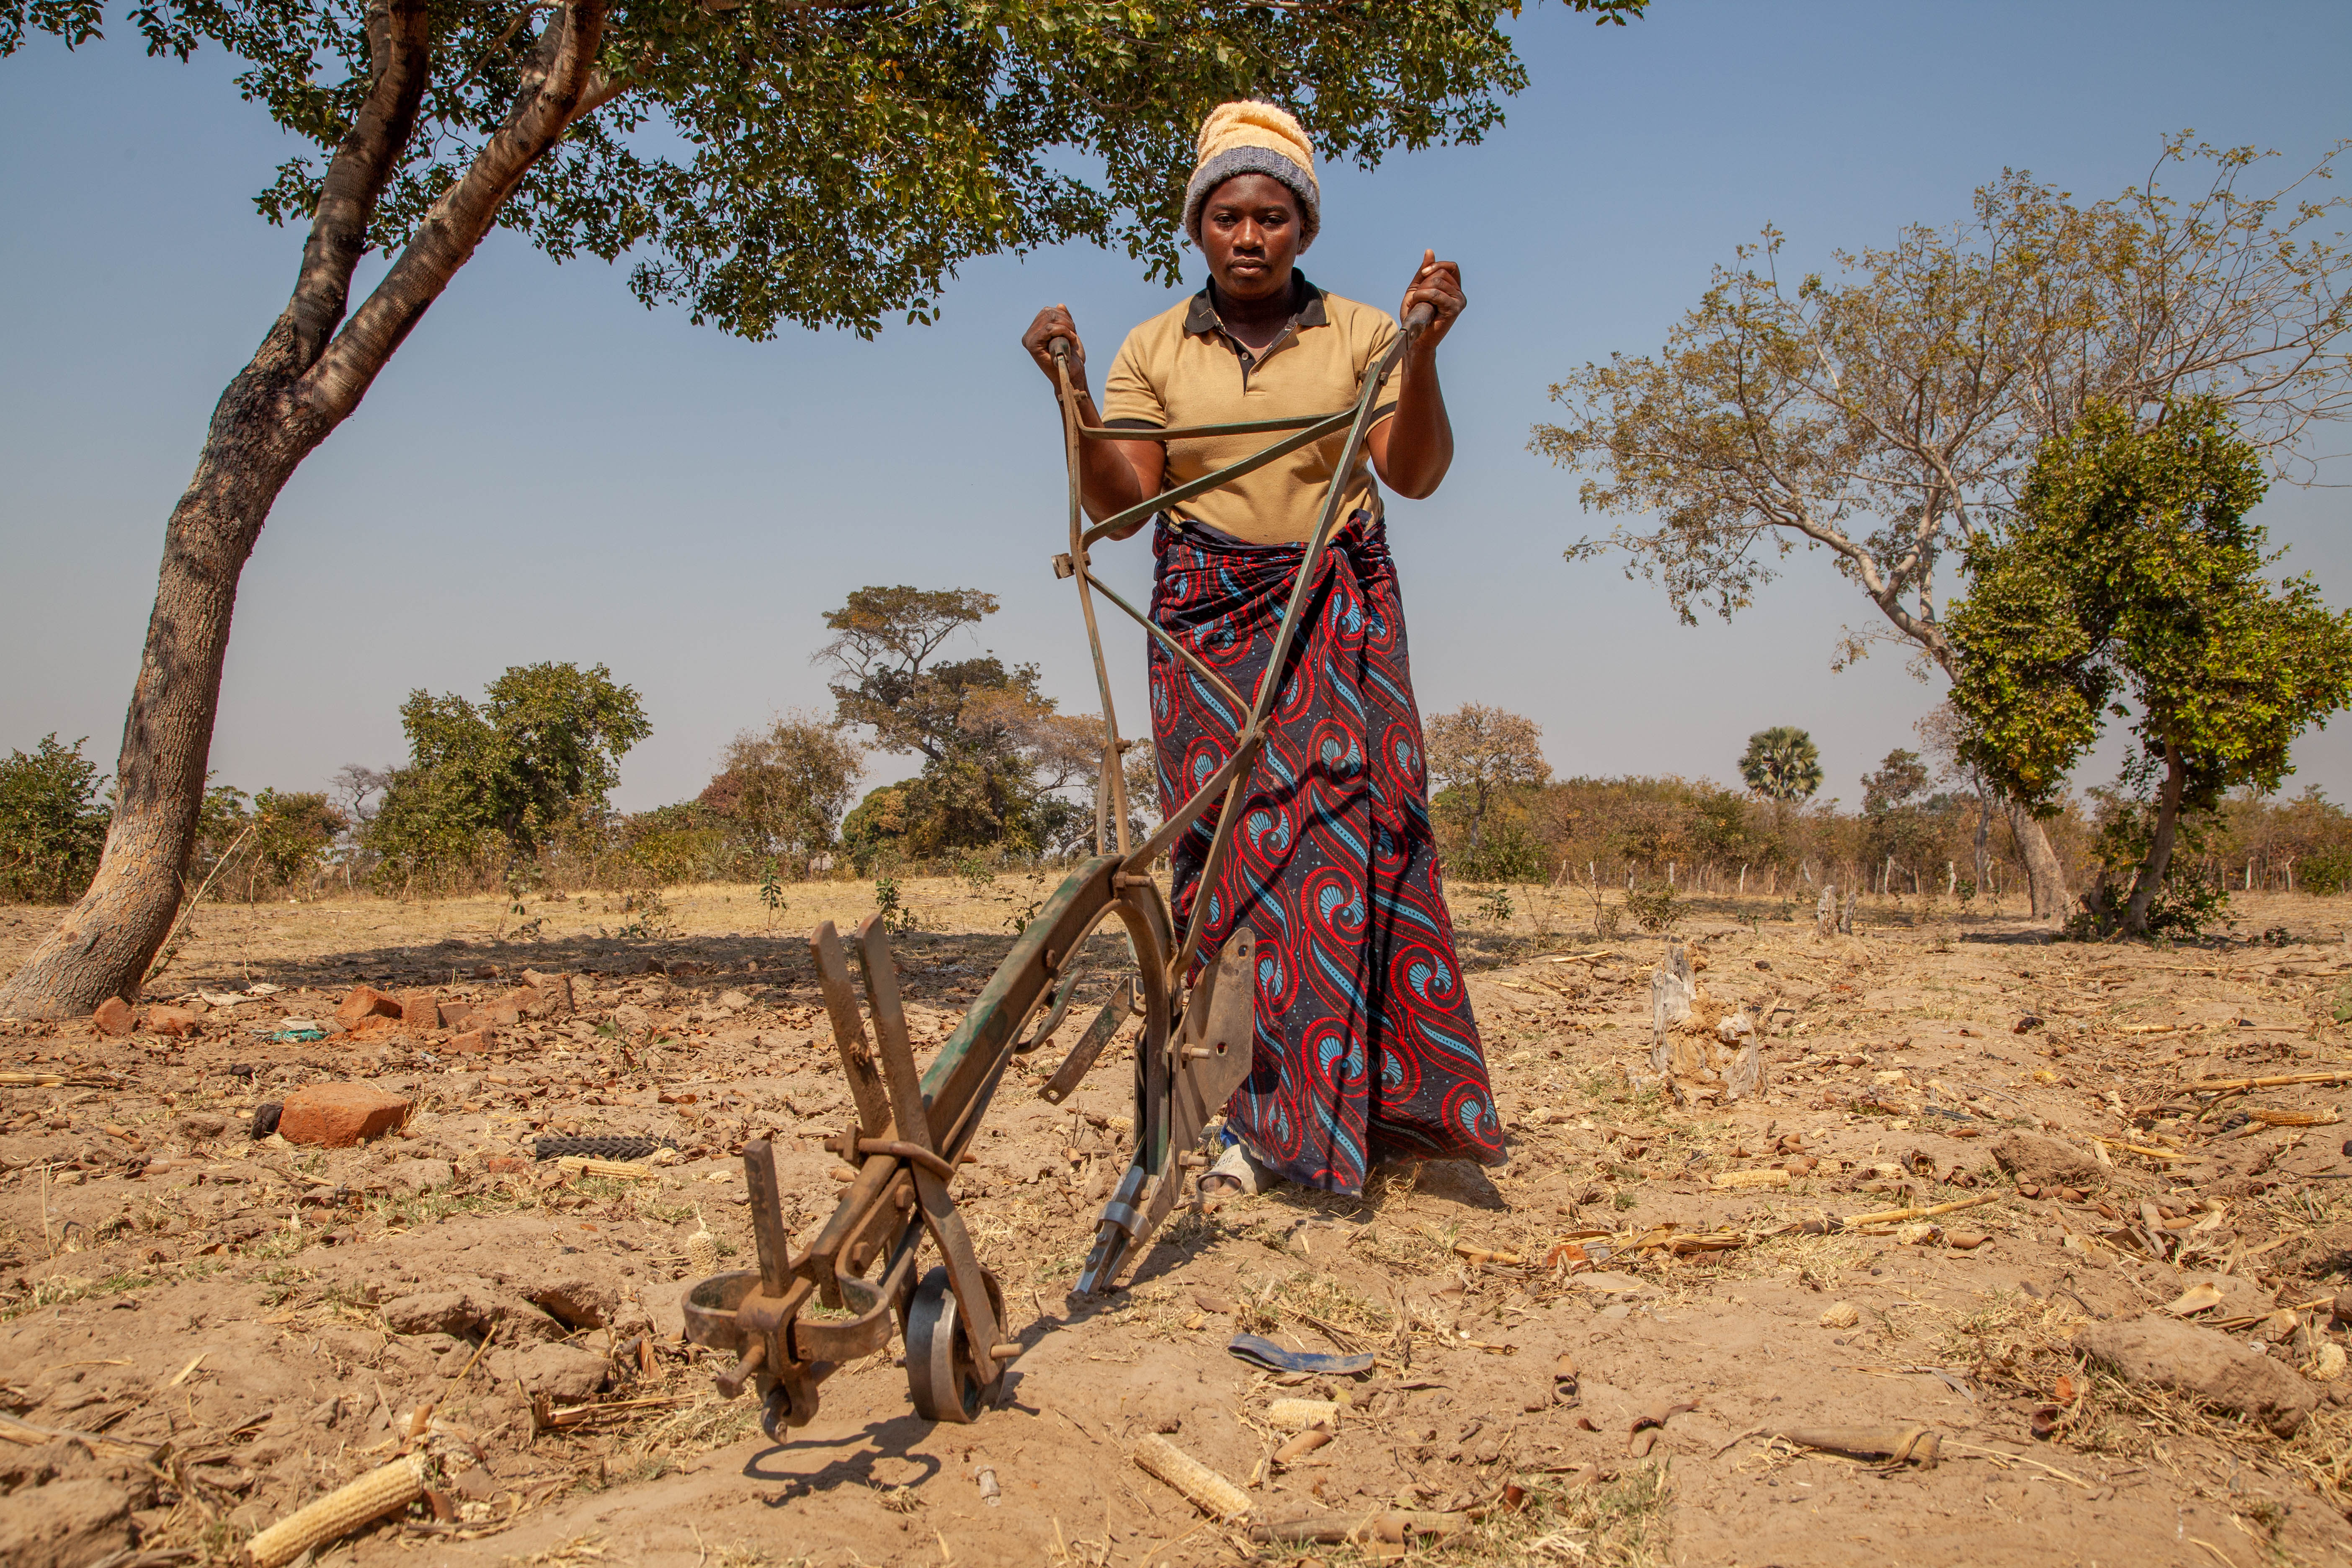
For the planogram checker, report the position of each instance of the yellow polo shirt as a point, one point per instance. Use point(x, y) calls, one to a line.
point(1182, 367)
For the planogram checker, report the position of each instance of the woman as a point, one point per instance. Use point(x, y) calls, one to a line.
point(1366, 1047)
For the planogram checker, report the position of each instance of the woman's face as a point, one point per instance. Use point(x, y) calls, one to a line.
point(1249, 230)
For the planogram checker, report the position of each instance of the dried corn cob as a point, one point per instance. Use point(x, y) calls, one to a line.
point(364, 1501)
point(701, 1250)
point(574, 1166)
point(1210, 1491)
point(1296, 1414)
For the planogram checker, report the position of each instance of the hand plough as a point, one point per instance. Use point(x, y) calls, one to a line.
point(798, 1315)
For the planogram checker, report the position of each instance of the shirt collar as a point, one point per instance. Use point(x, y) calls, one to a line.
point(1306, 308)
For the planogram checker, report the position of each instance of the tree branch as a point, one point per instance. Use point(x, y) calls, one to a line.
point(457, 222)
point(400, 47)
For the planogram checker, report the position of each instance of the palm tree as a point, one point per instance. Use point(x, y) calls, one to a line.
point(1782, 764)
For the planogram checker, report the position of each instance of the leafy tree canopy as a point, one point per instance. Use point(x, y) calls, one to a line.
point(547, 741)
point(53, 818)
point(1781, 764)
point(1887, 409)
point(2130, 586)
point(1477, 749)
point(788, 785)
point(830, 162)
point(1897, 779)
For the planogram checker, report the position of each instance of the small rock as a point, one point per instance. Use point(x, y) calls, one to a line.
point(65, 1524)
point(549, 996)
point(435, 1312)
point(201, 1124)
point(2045, 1162)
point(733, 1001)
point(113, 1017)
point(177, 1022)
point(632, 1019)
point(559, 1372)
point(337, 1115)
point(365, 1002)
point(2327, 1366)
point(2204, 1363)
point(580, 1302)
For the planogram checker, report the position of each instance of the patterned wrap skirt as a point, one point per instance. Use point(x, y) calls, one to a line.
point(1366, 1047)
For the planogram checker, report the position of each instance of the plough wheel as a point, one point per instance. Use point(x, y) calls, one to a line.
point(940, 1376)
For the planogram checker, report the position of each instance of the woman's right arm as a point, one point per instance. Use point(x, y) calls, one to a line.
point(1112, 475)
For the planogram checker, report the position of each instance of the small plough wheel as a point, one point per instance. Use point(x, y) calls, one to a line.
point(940, 1376)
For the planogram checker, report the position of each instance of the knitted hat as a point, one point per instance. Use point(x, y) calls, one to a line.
point(1247, 137)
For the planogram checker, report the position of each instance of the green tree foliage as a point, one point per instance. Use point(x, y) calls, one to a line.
point(833, 161)
point(2129, 585)
point(269, 844)
point(53, 818)
point(994, 751)
point(1782, 764)
point(543, 747)
point(1896, 815)
point(1885, 410)
point(1475, 750)
point(784, 788)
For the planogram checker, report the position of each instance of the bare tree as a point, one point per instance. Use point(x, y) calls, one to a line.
point(1888, 414)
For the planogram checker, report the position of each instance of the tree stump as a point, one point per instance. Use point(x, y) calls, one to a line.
point(1826, 913)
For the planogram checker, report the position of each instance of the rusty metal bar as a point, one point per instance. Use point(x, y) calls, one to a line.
point(913, 1118)
point(1110, 796)
point(1328, 425)
point(1116, 1011)
point(865, 1086)
point(1191, 658)
point(1195, 432)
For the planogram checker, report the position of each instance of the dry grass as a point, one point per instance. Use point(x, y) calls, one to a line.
point(1624, 1523)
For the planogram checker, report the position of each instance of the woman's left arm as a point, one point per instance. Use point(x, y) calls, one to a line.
point(1411, 450)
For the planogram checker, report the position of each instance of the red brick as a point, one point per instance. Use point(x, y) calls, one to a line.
point(337, 1115)
point(471, 1042)
point(365, 1002)
point(505, 1164)
point(113, 1017)
point(420, 1010)
point(177, 1022)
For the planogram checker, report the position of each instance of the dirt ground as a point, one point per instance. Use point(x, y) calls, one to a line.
point(227, 1328)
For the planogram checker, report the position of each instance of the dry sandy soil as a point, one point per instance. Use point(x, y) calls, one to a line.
point(242, 1325)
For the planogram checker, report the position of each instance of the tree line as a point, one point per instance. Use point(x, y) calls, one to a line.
point(1920, 826)
point(512, 790)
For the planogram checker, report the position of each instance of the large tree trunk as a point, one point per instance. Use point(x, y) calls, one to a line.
point(107, 941)
point(2045, 873)
point(2160, 849)
point(305, 380)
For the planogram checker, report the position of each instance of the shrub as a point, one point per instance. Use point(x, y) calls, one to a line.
point(53, 822)
point(1654, 910)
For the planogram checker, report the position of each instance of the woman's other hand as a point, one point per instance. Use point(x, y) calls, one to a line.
point(1053, 321)
point(1438, 285)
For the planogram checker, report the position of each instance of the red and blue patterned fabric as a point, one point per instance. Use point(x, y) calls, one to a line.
point(1366, 1047)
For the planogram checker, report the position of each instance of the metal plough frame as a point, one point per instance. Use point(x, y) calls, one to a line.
point(798, 1315)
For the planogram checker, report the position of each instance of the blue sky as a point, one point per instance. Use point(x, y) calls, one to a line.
point(548, 471)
